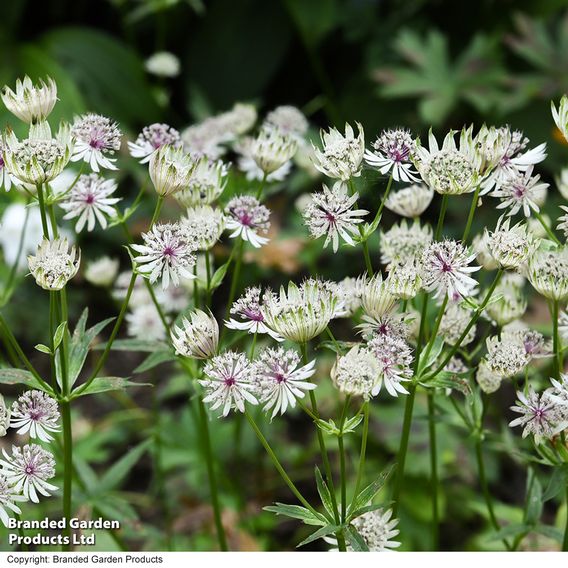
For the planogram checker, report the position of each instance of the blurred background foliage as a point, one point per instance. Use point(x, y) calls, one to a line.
point(383, 63)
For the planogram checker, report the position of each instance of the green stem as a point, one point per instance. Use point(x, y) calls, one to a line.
point(471, 215)
point(367, 256)
point(557, 363)
point(157, 210)
point(436, 328)
point(363, 454)
point(67, 468)
point(341, 447)
point(545, 226)
point(383, 201)
point(261, 186)
point(253, 346)
point(41, 202)
point(441, 217)
point(212, 476)
point(433, 469)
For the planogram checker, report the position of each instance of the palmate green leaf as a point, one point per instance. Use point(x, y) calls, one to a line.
point(320, 533)
point(21, 377)
point(104, 384)
point(118, 472)
point(356, 541)
point(369, 492)
point(297, 512)
point(324, 493)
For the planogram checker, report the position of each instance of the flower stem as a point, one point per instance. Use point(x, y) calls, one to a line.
point(42, 212)
point(341, 447)
point(212, 476)
point(433, 469)
point(471, 215)
point(545, 226)
point(261, 186)
point(441, 217)
point(363, 454)
point(557, 363)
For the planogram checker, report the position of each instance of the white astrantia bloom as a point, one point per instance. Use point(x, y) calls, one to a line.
point(410, 201)
point(54, 264)
point(102, 272)
point(287, 120)
point(341, 155)
point(394, 325)
point(404, 243)
point(246, 218)
point(271, 150)
point(533, 342)
point(521, 190)
point(279, 380)
point(560, 115)
point(166, 254)
point(542, 416)
point(248, 165)
point(197, 337)
point(548, 272)
point(249, 311)
point(301, 313)
point(488, 381)
point(4, 417)
point(357, 372)
point(28, 470)
point(506, 357)
point(205, 184)
point(37, 413)
point(392, 154)
point(203, 225)
point(509, 302)
point(451, 169)
point(90, 201)
point(445, 269)
point(351, 292)
point(480, 245)
point(510, 246)
point(170, 169)
point(454, 322)
point(404, 280)
point(377, 528)
point(8, 499)
point(377, 299)
point(151, 138)
point(96, 139)
point(36, 160)
point(144, 322)
point(31, 103)
point(330, 213)
point(163, 64)
point(395, 358)
point(229, 382)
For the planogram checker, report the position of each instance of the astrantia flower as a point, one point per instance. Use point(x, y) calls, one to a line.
point(510, 246)
point(204, 225)
point(404, 243)
point(302, 312)
point(541, 415)
point(272, 149)
point(351, 292)
point(450, 170)
point(248, 165)
point(341, 155)
point(287, 120)
point(487, 380)
point(280, 381)
point(197, 337)
point(206, 183)
point(454, 322)
point(170, 169)
point(330, 213)
point(102, 272)
point(35, 412)
point(4, 417)
point(484, 257)
point(393, 150)
point(520, 190)
point(229, 382)
point(512, 303)
point(377, 528)
point(410, 201)
point(165, 254)
point(151, 138)
point(357, 372)
point(163, 64)
point(391, 324)
point(96, 138)
point(404, 280)
point(246, 217)
point(533, 342)
point(377, 299)
point(560, 115)
point(506, 358)
point(28, 470)
point(54, 264)
point(248, 310)
point(8, 499)
point(395, 358)
point(445, 269)
point(90, 201)
point(35, 160)
point(548, 273)
point(144, 322)
point(31, 103)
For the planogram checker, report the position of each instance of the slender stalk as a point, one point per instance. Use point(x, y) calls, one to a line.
point(212, 476)
point(383, 201)
point(436, 328)
point(261, 187)
point(363, 454)
point(433, 469)
point(557, 363)
point(471, 215)
point(368, 264)
point(341, 447)
point(67, 469)
point(42, 211)
point(441, 217)
point(157, 210)
point(545, 226)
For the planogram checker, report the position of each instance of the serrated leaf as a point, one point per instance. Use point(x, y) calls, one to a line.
point(324, 493)
point(58, 335)
point(104, 384)
point(297, 512)
point(324, 531)
point(43, 348)
point(369, 492)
